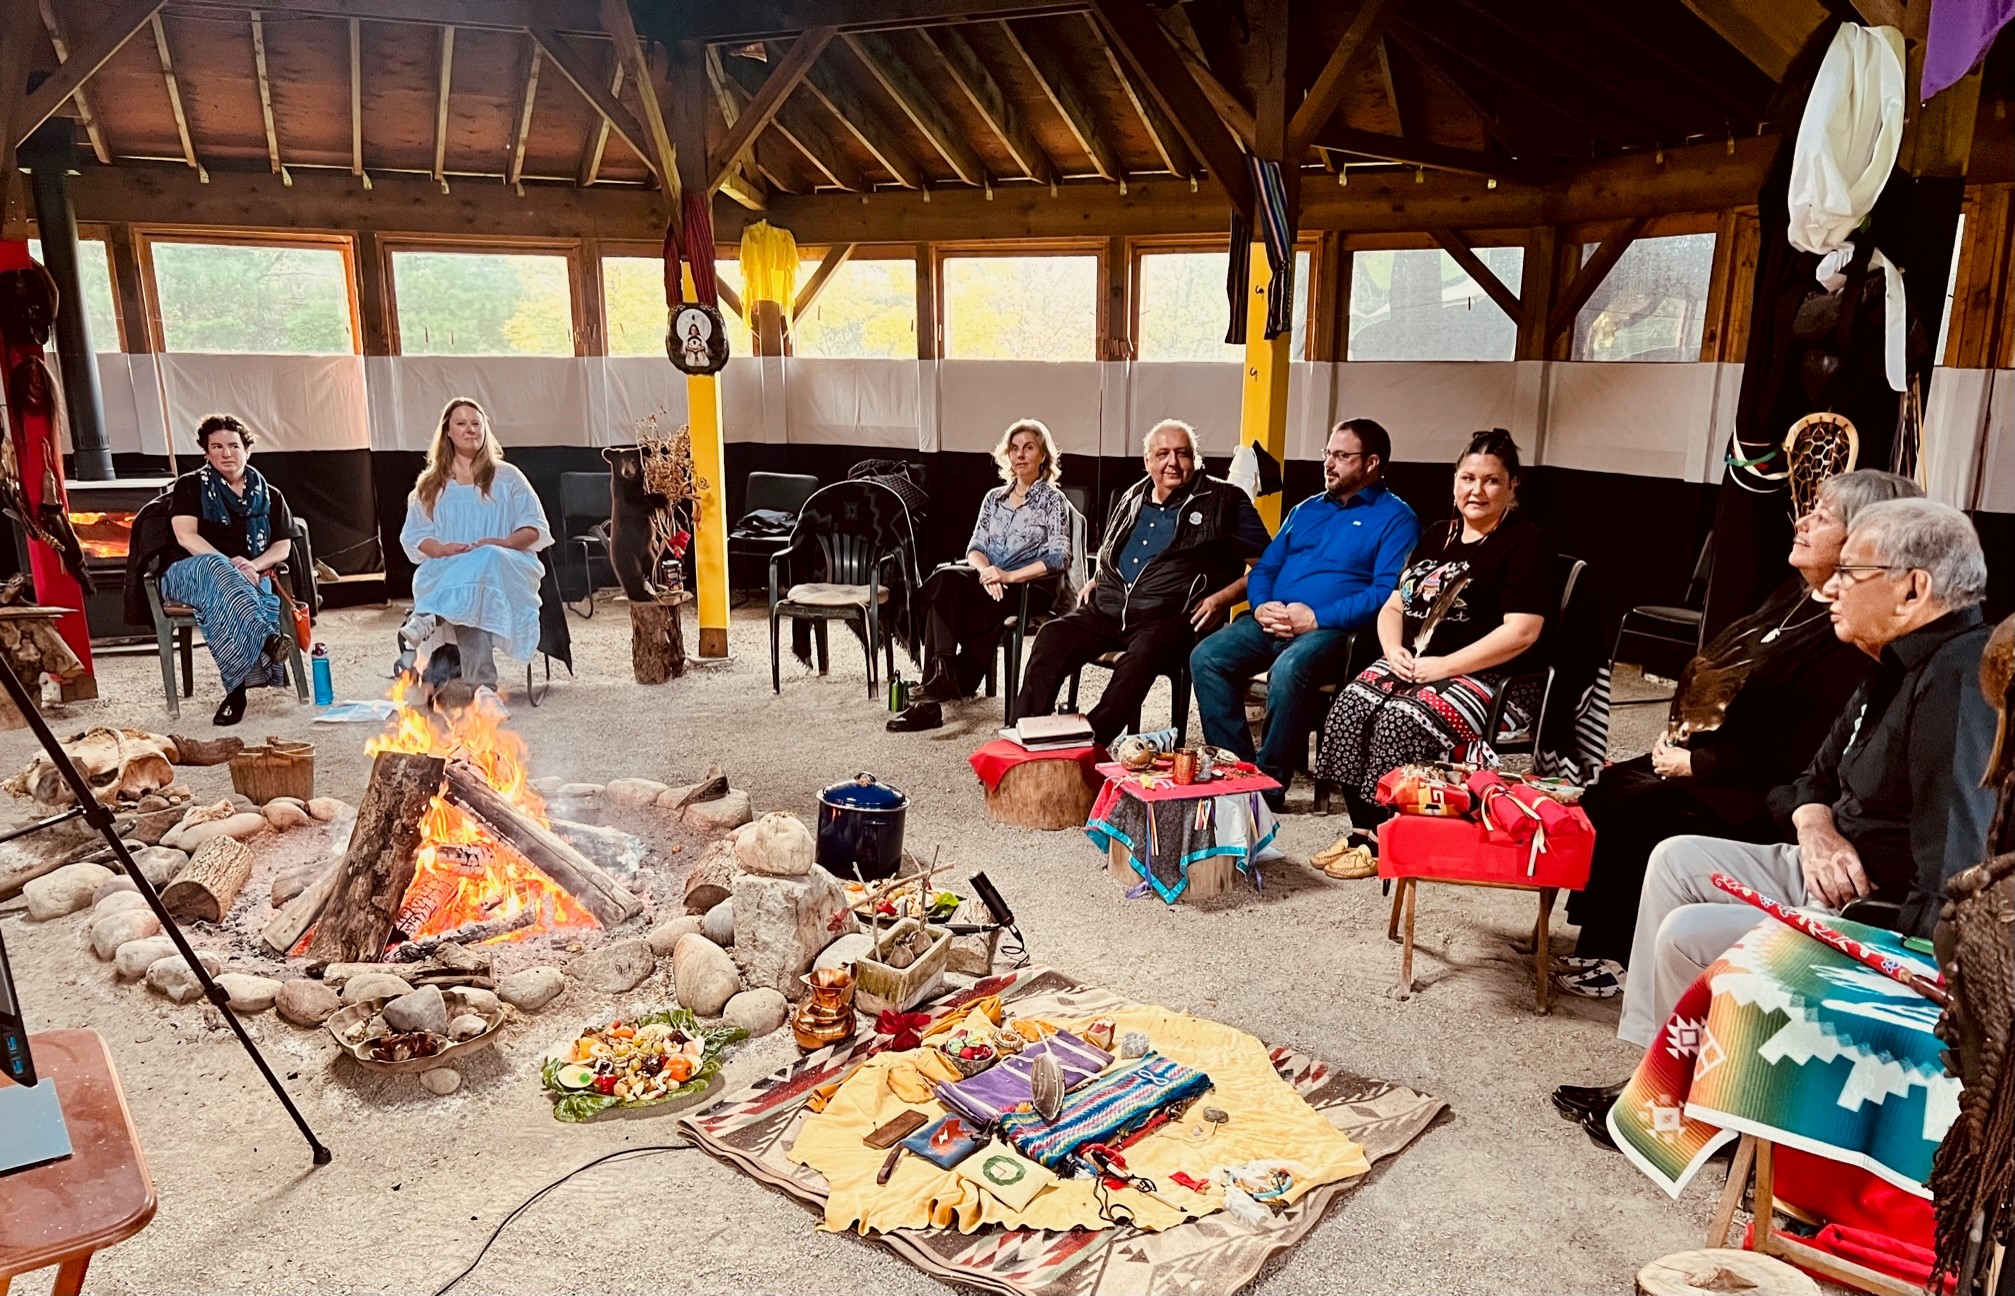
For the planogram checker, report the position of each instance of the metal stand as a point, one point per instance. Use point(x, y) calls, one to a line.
point(101, 818)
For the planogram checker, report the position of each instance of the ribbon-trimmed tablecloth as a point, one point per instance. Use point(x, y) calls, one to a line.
point(1786, 1039)
point(1165, 826)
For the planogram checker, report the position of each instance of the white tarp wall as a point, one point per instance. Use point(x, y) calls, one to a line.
point(1653, 420)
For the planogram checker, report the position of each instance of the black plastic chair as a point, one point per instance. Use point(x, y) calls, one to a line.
point(1568, 571)
point(778, 492)
point(584, 524)
point(1663, 639)
point(854, 590)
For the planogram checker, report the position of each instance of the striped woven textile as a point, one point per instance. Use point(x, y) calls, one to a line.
point(1104, 1110)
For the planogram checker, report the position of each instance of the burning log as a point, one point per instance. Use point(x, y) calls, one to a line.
point(300, 912)
point(576, 874)
point(209, 883)
point(378, 867)
point(425, 899)
point(613, 849)
point(469, 934)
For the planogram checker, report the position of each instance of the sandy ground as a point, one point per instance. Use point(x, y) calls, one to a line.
point(1500, 1197)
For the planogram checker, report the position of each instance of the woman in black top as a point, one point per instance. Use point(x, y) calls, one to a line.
point(1472, 600)
point(1749, 713)
point(232, 529)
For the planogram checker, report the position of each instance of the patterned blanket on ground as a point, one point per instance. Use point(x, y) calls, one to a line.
point(755, 1129)
point(1784, 1038)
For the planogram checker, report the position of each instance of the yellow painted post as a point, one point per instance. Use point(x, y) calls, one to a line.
point(710, 510)
point(1263, 401)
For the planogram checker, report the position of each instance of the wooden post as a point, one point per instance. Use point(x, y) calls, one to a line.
point(378, 867)
point(927, 303)
point(657, 641)
point(1115, 320)
point(1263, 404)
point(1536, 292)
point(576, 874)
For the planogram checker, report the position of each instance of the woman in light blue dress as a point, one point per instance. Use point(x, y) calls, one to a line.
point(474, 527)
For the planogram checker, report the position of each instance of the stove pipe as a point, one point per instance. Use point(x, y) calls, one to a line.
point(77, 360)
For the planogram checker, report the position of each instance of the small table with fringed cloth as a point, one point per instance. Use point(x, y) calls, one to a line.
point(1184, 839)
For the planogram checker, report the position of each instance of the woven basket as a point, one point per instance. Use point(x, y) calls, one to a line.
point(278, 769)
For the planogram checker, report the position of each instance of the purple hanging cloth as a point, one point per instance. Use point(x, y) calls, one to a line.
point(1961, 33)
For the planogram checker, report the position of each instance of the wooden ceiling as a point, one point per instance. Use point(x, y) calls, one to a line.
point(903, 94)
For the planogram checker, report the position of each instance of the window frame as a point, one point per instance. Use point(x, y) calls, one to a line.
point(1140, 246)
point(146, 236)
point(99, 232)
point(571, 250)
point(1722, 267)
point(1412, 241)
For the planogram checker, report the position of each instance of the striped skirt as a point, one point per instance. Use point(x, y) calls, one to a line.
point(1380, 722)
point(235, 615)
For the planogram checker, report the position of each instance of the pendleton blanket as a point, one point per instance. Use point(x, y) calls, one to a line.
point(1785, 1039)
point(754, 1129)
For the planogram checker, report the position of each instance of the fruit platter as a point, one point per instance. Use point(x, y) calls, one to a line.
point(635, 1062)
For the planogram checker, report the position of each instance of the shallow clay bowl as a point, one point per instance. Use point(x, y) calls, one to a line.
point(459, 1005)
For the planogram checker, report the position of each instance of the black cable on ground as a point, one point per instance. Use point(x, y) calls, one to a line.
point(534, 1199)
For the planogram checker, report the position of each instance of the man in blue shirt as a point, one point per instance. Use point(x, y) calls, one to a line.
point(1334, 564)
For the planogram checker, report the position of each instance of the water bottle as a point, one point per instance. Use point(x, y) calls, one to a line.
point(325, 688)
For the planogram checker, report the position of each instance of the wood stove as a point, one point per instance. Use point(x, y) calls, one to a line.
point(102, 513)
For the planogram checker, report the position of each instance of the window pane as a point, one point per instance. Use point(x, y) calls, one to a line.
point(633, 299)
point(95, 270)
point(483, 303)
point(1420, 305)
point(1653, 303)
point(263, 300)
point(1021, 308)
point(1184, 309)
point(867, 310)
point(1951, 289)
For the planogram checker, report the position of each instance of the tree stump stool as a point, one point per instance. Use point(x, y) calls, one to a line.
point(657, 640)
point(1040, 793)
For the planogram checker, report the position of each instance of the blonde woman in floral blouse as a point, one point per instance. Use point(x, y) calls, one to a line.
point(1023, 535)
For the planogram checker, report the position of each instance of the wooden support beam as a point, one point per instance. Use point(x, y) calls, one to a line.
point(1766, 32)
point(1145, 43)
point(583, 78)
point(1615, 23)
point(129, 290)
point(741, 184)
point(765, 101)
point(1060, 85)
point(803, 133)
point(1168, 145)
point(629, 49)
point(17, 50)
point(733, 22)
point(885, 63)
point(991, 102)
point(834, 258)
point(591, 333)
point(1384, 52)
point(1391, 148)
point(265, 92)
point(1590, 276)
point(863, 121)
point(174, 87)
point(494, 15)
point(731, 299)
point(356, 98)
point(378, 327)
point(443, 81)
point(1367, 28)
point(91, 53)
point(1117, 327)
point(1513, 140)
point(598, 134)
point(524, 122)
point(1473, 266)
point(930, 319)
point(1329, 299)
point(60, 42)
point(1938, 136)
point(1536, 282)
point(1979, 300)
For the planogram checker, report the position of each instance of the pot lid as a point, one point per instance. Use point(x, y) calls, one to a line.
point(863, 792)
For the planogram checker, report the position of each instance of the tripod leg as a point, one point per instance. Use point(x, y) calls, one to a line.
point(100, 817)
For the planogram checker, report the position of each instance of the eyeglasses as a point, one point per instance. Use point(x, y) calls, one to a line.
point(1340, 455)
point(1860, 572)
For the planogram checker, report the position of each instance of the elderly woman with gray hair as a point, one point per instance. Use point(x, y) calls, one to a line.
point(1749, 712)
point(1891, 806)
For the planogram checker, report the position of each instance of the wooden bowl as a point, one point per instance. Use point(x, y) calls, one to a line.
point(355, 1016)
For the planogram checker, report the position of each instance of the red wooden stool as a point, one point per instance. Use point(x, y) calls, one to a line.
point(1422, 848)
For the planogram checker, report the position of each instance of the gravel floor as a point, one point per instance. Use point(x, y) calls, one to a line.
point(1500, 1197)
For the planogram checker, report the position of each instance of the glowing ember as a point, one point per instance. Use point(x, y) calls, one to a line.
point(462, 875)
point(103, 535)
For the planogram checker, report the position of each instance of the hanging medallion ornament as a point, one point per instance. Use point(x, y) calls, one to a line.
point(696, 338)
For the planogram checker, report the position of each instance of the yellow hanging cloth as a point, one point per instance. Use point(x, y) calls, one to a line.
point(769, 267)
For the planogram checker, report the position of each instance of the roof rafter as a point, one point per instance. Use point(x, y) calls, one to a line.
point(1146, 44)
point(1512, 138)
point(1060, 85)
point(174, 87)
point(803, 134)
point(1592, 126)
point(265, 91)
point(1384, 53)
point(1644, 107)
point(92, 53)
point(516, 171)
point(617, 25)
point(356, 97)
point(583, 78)
point(1365, 30)
point(1420, 153)
point(598, 135)
point(865, 123)
point(445, 80)
point(892, 72)
point(732, 98)
point(764, 101)
point(494, 15)
point(1768, 34)
point(741, 21)
point(61, 44)
point(991, 102)
point(1168, 143)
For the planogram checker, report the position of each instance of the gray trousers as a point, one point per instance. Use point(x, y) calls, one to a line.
point(1685, 922)
point(479, 654)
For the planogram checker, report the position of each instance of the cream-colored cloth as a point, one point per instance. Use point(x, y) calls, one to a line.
point(1269, 1120)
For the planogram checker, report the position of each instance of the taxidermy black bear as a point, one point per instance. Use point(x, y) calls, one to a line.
point(639, 524)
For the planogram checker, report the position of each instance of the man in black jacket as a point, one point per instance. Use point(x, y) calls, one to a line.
point(1891, 805)
point(1176, 549)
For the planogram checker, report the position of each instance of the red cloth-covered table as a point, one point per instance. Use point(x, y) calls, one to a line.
point(1425, 848)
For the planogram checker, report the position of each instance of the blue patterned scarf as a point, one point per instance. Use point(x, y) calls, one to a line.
point(221, 505)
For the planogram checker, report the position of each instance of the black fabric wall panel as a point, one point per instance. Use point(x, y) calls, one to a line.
point(334, 490)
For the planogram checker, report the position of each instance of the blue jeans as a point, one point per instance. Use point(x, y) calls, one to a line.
point(1223, 665)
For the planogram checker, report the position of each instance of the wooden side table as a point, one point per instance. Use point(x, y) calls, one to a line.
point(64, 1212)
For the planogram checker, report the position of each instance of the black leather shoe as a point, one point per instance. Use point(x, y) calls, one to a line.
point(233, 709)
point(1578, 1102)
point(1597, 1129)
point(917, 718)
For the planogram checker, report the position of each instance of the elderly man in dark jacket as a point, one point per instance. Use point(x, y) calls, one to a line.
point(1174, 559)
point(1891, 805)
